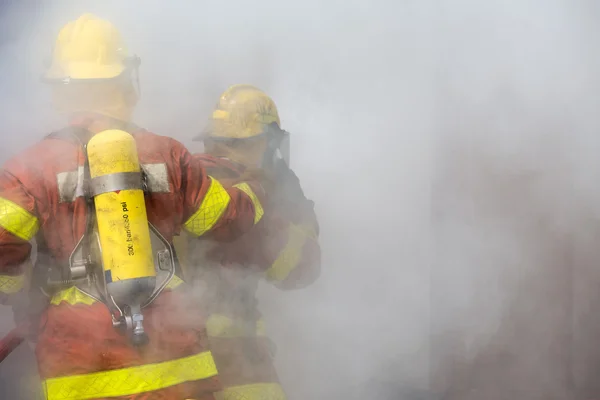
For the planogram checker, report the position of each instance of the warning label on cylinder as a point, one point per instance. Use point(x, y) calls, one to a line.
point(127, 225)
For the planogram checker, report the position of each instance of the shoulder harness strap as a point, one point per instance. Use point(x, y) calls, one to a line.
point(81, 136)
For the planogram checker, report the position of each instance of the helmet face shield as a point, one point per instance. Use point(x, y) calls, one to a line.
point(284, 148)
point(248, 152)
point(273, 144)
point(114, 97)
point(278, 146)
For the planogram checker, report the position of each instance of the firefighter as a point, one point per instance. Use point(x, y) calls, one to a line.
point(103, 199)
point(244, 133)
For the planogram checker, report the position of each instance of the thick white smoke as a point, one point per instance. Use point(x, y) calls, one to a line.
point(435, 139)
point(516, 204)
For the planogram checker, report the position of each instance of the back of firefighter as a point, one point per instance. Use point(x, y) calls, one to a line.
point(80, 354)
point(244, 133)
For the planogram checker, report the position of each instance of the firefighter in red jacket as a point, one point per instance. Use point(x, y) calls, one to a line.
point(244, 133)
point(103, 199)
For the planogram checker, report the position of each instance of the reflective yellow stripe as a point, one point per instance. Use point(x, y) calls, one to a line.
point(256, 391)
point(132, 380)
point(17, 220)
point(174, 282)
point(219, 325)
point(72, 296)
point(11, 284)
point(213, 206)
point(220, 114)
point(289, 257)
point(258, 209)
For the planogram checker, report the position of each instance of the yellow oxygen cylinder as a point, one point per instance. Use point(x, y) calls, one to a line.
point(123, 228)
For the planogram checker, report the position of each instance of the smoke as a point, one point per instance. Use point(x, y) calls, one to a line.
point(515, 209)
point(450, 148)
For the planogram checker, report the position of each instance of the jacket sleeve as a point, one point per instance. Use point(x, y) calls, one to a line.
point(213, 211)
point(290, 239)
point(18, 225)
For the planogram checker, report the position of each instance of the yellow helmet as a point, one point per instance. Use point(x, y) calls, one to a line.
point(243, 112)
point(88, 48)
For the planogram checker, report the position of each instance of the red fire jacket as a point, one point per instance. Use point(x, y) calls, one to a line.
point(78, 350)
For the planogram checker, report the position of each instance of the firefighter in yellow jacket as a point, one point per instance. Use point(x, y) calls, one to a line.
point(244, 133)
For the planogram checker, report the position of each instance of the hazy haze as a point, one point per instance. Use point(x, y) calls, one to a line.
point(450, 148)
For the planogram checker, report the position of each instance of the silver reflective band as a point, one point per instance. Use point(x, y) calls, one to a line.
point(70, 183)
point(115, 182)
point(157, 177)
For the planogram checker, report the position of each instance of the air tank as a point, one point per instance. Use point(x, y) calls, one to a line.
point(123, 228)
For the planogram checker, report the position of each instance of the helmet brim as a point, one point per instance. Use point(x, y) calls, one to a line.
point(83, 70)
